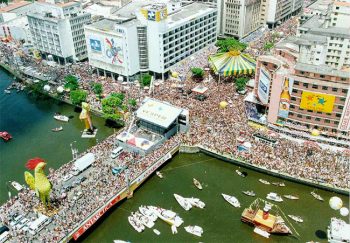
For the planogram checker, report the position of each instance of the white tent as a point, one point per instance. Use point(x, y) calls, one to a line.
point(84, 162)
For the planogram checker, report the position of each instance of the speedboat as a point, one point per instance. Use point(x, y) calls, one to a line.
point(57, 129)
point(136, 224)
point(148, 213)
point(7, 91)
point(61, 118)
point(197, 184)
point(5, 135)
point(173, 229)
point(232, 200)
point(17, 186)
point(240, 173)
point(196, 202)
point(159, 174)
point(168, 216)
point(291, 197)
point(261, 232)
point(296, 218)
point(184, 203)
point(120, 241)
point(195, 230)
point(264, 182)
point(278, 184)
point(157, 232)
point(144, 220)
point(315, 195)
point(274, 197)
point(249, 193)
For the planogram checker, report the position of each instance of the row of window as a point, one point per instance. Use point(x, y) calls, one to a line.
point(315, 86)
point(317, 119)
point(318, 112)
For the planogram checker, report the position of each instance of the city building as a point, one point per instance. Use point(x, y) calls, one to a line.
point(145, 37)
point(304, 85)
point(57, 29)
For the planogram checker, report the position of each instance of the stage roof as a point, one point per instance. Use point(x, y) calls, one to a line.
point(158, 113)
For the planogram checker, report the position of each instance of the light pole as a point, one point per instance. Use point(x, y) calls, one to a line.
point(74, 151)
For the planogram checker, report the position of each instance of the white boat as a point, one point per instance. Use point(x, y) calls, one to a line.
point(315, 195)
point(61, 118)
point(338, 231)
point(184, 203)
point(148, 213)
point(121, 241)
point(167, 216)
point(249, 193)
point(157, 232)
point(274, 197)
point(240, 173)
point(264, 182)
point(296, 218)
point(173, 229)
point(136, 224)
point(7, 91)
point(261, 232)
point(196, 202)
point(17, 186)
point(57, 129)
point(159, 174)
point(195, 230)
point(197, 184)
point(291, 197)
point(232, 200)
point(281, 184)
point(144, 220)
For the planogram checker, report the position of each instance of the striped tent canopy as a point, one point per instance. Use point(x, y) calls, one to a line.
point(232, 63)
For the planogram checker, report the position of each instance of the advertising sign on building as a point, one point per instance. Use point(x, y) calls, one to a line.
point(317, 101)
point(264, 86)
point(285, 98)
point(344, 124)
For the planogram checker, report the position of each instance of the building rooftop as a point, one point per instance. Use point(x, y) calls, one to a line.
point(128, 11)
point(315, 21)
point(14, 6)
point(322, 69)
point(332, 31)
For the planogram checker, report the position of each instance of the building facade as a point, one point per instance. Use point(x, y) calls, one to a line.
point(57, 29)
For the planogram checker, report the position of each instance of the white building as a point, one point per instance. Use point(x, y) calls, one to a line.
point(142, 38)
point(57, 29)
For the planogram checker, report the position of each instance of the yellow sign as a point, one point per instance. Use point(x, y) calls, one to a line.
point(317, 102)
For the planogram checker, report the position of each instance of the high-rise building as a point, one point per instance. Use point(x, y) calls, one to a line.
point(154, 37)
point(57, 29)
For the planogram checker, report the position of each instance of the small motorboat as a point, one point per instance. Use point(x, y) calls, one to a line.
point(157, 232)
point(7, 91)
point(249, 193)
point(144, 220)
point(148, 213)
point(291, 197)
point(261, 232)
point(136, 224)
point(183, 202)
point(5, 135)
point(17, 186)
point(173, 229)
point(281, 184)
point(61, 118)
point(296, 218)
point(243, 174)
point(274, 197)
point(264, 182)
point(195, 230)
point(196, 202)
point(167, 216)
point(232, 200)
point(197, 184)
point(57, 129)
point(315, 195)
point(159, 174)
point(121, 241)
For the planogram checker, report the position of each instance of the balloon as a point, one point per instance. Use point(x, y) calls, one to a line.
point(60, 89)
point(47, 87)
point(336, 203)
point(175, 74)
point(315, 132)
point(344, 211)
point(223, 104)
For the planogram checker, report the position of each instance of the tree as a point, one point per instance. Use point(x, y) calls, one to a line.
point(111, 107)
point(241, 83)
point(120, 96)
point(97, 88)
point(230, 44)
point(268, 46)
point(146, 79)
point(197, 72)
point(132, 102)
point(78, 96)
point(71, 82)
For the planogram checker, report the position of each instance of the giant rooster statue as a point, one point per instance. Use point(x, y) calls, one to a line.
point(39, 182)
point(90, 131)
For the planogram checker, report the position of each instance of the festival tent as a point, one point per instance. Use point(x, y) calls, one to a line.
point(232, 63)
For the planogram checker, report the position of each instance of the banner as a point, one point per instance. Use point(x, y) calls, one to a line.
point(285, 97)
point(345, 119)
point(317, 102)
point(264, 86)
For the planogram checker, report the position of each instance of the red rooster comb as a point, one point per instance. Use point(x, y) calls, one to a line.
point(32, 163)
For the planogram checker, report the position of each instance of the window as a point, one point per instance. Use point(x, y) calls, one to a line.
point(342, 99)
point(340, 107)
point(317, 119)
point(324, 87)
point(293, 98)
point(300, 116)
point(314, 86)
point(309, 111)
point(336, 122)
point(322, 76)
point(308, 117)
point(344, 91)
point(295, 91)
point(334, 89)
point(306, 85)
point(327, 121)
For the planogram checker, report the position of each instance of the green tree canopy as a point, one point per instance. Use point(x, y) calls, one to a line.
point(230, 44)
point(71, 82)
point(120, 96)
point(78, 96)
point(132, 102)
point(241, 83)
point(268, 46)
point(111, 107)
point(197, 72)
point(97, 88)
point(146, 79)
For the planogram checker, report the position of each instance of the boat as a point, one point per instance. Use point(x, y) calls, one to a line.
point(264, 182)
point(274, 197)
point(173, 229)
point(157, 232)
point(136, 224)
point(232, 200)
point(17, 186)
point(159, 174)
point(315, 195)
point(281, 184)
point(296, 218)
point(261, 232)
point(144, 220)
point(183, 202)
point(197, 184)
point(167, 216)
point(243, 174)
point(57, 129)
point(121, 241)
point(291, 197)
point(195, 230)
point(7, 91)
point(5, 135)
point(196, 202)
point(249, 193)
point(148, 213)
point(61, 118)
point(338, 231)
